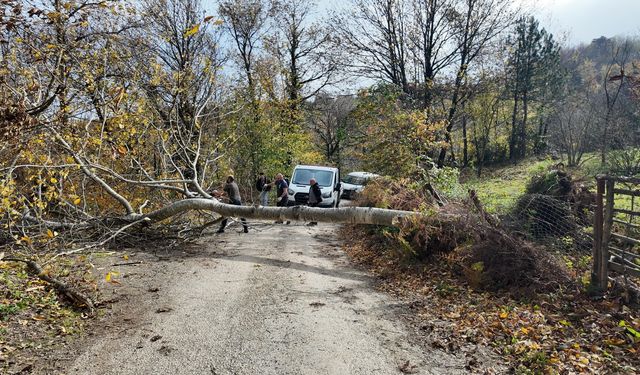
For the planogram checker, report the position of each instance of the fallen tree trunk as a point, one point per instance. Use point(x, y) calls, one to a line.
point(353, 215)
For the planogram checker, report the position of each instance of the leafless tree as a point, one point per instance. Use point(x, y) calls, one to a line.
point(329, 120)
point(613, 82)
point(477, 24)
point(573, 125)
point(432, 41)
point(304, 49)
point(375, 36)
point(246, 23)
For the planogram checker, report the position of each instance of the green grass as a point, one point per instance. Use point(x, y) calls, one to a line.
point(499, 188)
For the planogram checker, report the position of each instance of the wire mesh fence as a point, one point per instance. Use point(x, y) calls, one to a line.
point(556, 223)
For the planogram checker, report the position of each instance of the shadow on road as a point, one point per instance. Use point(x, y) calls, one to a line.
point(342, 274)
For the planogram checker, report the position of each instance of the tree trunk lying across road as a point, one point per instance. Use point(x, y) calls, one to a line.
point(355, 215)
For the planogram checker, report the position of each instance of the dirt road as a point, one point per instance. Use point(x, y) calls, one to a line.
point(282, 299)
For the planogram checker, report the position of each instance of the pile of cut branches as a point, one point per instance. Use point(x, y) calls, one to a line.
point(486, 254)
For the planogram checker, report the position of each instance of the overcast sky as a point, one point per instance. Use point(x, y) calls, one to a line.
point(574, 21)
point(584, 20)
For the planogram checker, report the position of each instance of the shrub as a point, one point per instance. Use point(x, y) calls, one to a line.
point(544, 216)
point(624, 162)
point(555, 182)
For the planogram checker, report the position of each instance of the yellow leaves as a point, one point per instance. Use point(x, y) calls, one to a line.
point(582, 361)
point(109, 277)
point(217, 22)
point(192, 31)
point(77, 201)
point(524, 331)
point(125, 257)
point(51, 234)
point(504, 315)
point(53, 180)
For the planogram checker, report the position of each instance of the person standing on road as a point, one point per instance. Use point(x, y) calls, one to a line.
point(315, 196)
point(264, 187)
point(282, 193)
point(233, 193)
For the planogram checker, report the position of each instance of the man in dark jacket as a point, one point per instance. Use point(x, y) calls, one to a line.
point(282, 193)
point(263, 185)
point(315, 196)
point(233, 193)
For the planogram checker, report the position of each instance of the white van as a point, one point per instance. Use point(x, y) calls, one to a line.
point(354, 183)
point(327, 177)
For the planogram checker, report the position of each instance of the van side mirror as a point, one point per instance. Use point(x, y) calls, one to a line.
point(338, 186)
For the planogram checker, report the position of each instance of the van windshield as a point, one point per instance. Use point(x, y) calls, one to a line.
point(302, 177)
point(355, 180)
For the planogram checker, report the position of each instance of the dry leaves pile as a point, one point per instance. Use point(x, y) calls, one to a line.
point(555, 332)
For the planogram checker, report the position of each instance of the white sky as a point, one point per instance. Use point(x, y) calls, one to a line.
point(573, 21)
point(580, 21)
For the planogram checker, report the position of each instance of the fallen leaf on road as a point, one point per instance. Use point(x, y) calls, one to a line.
point(163, 310)
point(317, 304)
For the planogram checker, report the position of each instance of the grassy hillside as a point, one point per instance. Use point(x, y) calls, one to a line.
point(499, 187)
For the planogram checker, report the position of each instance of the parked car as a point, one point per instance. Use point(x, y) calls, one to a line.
point(327, 177)
point(354, 183)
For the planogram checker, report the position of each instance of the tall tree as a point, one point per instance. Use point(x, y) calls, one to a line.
point(534, 59)
point(431, 36)
point(477, 23)
point(246, 22)
point(303, 48)
point(331, 122)
point(375, 34)
point(613, 82)
point(183, 78)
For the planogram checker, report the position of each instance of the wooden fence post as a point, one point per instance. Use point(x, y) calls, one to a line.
point(598, 277)
point(606, 232)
